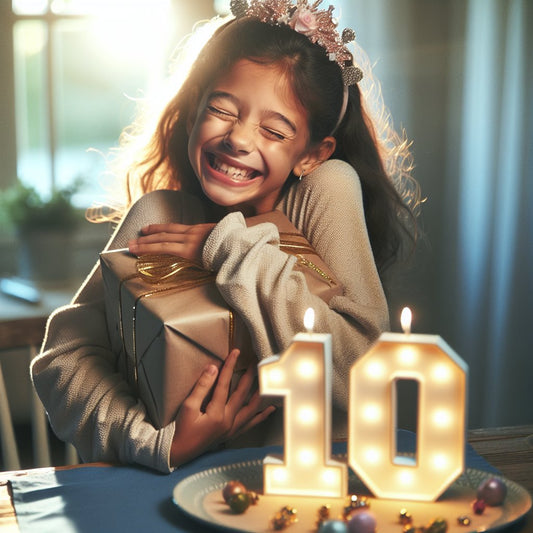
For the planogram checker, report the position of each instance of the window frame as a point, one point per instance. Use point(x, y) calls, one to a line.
point(8, 133)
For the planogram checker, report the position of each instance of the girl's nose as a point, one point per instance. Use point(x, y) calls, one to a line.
point(239, 138)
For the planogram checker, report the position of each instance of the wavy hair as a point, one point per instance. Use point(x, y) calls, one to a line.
point(365, 137)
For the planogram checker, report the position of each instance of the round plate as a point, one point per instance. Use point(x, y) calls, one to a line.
point(200, 496)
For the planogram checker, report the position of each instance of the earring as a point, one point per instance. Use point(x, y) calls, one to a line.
point(301, 175)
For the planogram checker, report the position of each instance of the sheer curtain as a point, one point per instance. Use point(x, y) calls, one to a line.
point(495, 224)
point(458, 75)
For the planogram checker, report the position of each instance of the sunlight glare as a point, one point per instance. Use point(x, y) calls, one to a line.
point(30, 7)
point(106, 7)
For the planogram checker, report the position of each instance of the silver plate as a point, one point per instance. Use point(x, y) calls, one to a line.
point(200, 496)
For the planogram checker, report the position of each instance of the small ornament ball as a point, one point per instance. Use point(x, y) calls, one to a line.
point(463, 520)
point(478, 506)
point(333, 526)
point(231, 488)
point(405, 517)
point(238, 503)
point(437, 525)
point(362, 522)
point(492, 491)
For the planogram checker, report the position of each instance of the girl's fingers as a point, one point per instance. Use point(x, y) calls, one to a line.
point(220, 394)
point(173, 239)
point(246, 423)
point(159, 237)
point(202, 387)
point(170, 248)
point(177, 228)
point(241, 392)
point(165, 228)
point(246, 412)
point(259, 417)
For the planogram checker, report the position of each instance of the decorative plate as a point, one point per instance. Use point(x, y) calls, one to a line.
point(200, 496)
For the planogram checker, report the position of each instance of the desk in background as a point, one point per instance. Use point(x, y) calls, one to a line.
point(51, 297)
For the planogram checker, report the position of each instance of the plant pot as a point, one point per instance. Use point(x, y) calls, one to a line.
point(45, 255)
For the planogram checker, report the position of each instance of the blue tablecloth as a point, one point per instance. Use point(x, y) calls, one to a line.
point(133, 499)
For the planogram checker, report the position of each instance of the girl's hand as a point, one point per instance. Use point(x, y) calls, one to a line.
point(224, 417)
point(173, 239)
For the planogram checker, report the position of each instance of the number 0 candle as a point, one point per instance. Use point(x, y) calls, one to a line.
point(442, 379)
point(302, 374)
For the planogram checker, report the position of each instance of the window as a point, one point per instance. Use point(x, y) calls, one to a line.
point(78, 68)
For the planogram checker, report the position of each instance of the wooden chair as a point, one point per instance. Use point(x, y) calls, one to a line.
point(26, 335)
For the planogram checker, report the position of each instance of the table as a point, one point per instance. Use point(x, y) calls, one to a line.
point(52, 297)
point(509, 449)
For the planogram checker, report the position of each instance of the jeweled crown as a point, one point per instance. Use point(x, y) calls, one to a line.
point(319, 26)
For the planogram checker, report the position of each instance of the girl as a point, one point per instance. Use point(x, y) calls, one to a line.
point(269, 117)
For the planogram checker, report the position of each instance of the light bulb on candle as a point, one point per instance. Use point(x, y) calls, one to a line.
point(442, 418)
point(441, 373)
point(307, 415)
point(372, 412)
point(375, 370)
point(372, 455)
point(440, 461)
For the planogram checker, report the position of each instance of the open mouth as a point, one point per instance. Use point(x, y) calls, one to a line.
point(240, 174)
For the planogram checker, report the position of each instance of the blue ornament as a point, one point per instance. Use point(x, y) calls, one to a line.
point(333, 526)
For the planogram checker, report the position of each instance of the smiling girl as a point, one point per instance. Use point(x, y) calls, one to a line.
point(270, 117)
point(249, 133)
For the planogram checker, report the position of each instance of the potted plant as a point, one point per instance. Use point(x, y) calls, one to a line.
point(44, 229)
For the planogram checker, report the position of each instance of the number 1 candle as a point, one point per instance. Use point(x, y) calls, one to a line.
point(302, 374)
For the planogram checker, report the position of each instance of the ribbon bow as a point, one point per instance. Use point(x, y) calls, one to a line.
point(159, 269)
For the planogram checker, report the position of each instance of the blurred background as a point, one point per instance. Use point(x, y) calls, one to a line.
point(456, 75)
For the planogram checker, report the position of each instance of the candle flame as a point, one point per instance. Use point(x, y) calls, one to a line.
point(309, 319)
point(405, 320)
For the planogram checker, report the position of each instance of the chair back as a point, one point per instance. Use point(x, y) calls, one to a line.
point(22, 332)
point(23, 337)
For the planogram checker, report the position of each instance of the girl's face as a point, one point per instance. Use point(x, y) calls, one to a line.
point(249, 132)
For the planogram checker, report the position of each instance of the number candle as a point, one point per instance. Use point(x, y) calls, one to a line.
point(441, 375)
point(302, 374)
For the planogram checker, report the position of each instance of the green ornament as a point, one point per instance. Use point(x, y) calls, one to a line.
point(238, 503)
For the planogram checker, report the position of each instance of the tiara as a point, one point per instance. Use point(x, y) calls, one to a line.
point(319, 26)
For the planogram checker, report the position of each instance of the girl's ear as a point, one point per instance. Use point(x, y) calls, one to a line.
point(315, 156)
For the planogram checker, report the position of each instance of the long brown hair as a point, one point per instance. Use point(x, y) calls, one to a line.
point(317, 82)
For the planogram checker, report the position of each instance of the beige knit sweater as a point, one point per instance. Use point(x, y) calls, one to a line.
point(92, 406)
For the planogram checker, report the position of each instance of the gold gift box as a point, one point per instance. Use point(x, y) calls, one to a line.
point(167, 332)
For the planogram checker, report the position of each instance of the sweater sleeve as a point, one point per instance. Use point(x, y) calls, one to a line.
point(87, 400)
point(257, 279)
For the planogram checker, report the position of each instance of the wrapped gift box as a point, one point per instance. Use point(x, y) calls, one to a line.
point(166, 333)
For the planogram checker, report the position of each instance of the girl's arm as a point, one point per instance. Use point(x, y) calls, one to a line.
point(87, 400)
point(258, 280)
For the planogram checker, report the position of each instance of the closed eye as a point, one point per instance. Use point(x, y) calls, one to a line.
point(273, 134)
point(220, 112)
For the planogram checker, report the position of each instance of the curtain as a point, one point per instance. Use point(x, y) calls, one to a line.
point(495, 225)
point(458, 76)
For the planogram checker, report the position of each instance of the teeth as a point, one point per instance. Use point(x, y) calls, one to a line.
point(238, 174)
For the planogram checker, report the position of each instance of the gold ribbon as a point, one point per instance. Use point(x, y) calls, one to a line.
point(291, 243)
point(159, 269)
